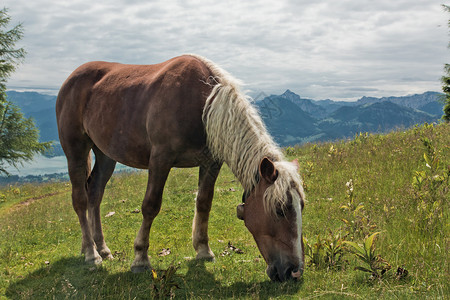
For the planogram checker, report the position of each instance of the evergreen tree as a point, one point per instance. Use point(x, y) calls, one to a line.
point(19, 137)
point(446, 82)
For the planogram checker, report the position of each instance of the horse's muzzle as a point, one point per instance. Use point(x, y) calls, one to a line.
point(278, 272)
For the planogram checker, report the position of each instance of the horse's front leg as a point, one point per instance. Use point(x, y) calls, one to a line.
point(158, 171)
point(207, 178)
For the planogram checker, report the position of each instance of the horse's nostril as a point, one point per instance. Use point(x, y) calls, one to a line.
point(278, 273)
point(296, 274)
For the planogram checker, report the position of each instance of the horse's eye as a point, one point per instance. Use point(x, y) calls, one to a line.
point(280, 212)
point(284, 210)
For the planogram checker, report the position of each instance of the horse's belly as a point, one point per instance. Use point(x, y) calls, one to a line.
point(133, 152)
point(129, 154)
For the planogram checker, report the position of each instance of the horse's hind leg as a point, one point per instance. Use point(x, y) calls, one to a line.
point(78, 161)
point(103, 169)
point(207, 178)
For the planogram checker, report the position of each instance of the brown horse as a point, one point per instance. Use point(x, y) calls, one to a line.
point(184, 112)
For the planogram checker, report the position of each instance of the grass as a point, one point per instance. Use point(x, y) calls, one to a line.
point(40, 235)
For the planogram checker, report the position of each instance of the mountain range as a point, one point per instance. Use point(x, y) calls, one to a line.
point(289, 118)
point(295, 120)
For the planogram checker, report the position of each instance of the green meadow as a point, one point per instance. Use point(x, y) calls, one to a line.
point(376, 226)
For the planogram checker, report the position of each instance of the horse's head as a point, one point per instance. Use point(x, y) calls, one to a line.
point(272, 212)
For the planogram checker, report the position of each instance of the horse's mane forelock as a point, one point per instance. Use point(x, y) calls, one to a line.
point(237, 136)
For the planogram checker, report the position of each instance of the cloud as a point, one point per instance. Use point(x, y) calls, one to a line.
point(320, 49)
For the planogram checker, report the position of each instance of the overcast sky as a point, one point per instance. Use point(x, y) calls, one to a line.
point(338, 49)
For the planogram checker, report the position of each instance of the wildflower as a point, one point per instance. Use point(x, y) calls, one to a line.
point(349, 185)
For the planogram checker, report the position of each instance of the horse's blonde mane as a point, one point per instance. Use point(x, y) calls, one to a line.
point(237, 136)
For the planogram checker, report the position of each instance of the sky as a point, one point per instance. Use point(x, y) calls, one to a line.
point(321, 49)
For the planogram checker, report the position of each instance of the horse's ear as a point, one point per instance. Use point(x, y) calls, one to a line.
point(295, 162)
point(267, 170)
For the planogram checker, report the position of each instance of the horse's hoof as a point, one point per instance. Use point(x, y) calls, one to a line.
point(96, 260)
point(106, 255)
point(210, 258)
point(140, 269)
point(140, 266)
point(104, 252)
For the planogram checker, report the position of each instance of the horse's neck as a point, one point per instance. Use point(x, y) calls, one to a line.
point(236, 133)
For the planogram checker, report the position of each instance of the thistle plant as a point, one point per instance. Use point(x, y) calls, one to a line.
point(332, 152)
point(326, 253)
point(357, 223)
point(314, 252)
point(431, 187)
point(334, 250)
point(360, 138)
point(308, 173)
point(290, 151)
point(164, 283)
point(373, 262)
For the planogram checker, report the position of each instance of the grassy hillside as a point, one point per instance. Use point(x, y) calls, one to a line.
point(374, 183)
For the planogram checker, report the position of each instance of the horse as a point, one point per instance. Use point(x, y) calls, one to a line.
point(184, 112)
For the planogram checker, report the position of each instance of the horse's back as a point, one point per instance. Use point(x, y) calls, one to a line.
point(132, 108)
point(180, 73)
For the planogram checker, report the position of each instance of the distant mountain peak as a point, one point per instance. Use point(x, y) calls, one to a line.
point(288, 91)
point(288, 94)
